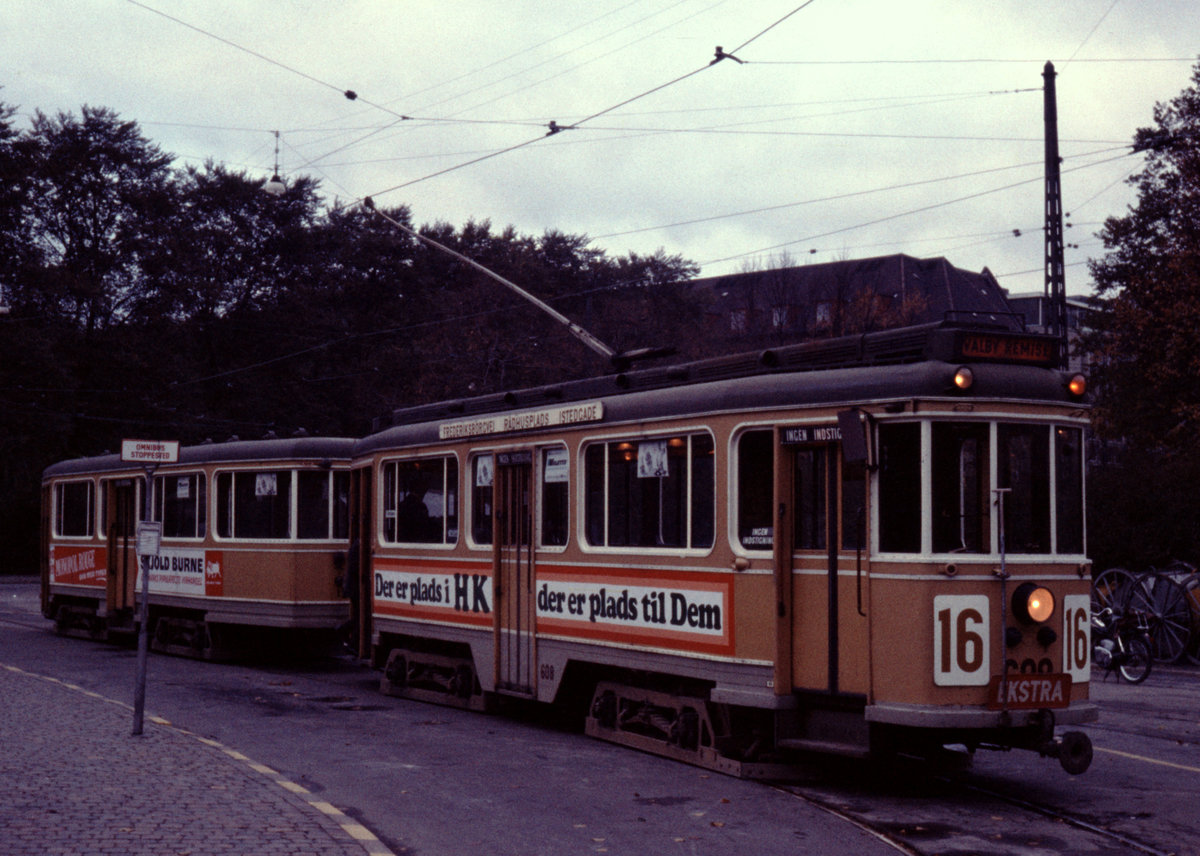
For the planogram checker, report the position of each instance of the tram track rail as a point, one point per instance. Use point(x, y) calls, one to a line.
point(1067, 818)
point(951, 815)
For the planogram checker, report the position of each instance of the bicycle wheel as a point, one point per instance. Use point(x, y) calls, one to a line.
point(1138, 660)
point(1110, 590)
point(1170, 617)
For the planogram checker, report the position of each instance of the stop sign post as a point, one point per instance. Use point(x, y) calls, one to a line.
point(148, 453)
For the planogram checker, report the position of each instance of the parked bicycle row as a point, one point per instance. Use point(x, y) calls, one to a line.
point(1166, 601)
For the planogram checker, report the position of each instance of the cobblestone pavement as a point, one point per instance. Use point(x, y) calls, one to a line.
point(74, 781)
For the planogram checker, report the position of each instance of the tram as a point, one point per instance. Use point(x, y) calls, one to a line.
point(253, 546)
point(866, 546)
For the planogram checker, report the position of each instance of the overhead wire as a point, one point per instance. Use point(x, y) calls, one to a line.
point(554, 128)
point(832, 198)
point(1091, 32)
point(898, 215)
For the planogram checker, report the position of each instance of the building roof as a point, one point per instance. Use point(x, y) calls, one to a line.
point(940, 290)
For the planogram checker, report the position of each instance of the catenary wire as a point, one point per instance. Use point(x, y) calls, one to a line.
point(898, 215)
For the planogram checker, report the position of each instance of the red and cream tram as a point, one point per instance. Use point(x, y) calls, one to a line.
point(869, 544)
point(254, 536)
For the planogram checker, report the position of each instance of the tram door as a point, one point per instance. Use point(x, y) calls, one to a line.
point(806, 552)
point(120, 526)
point(513, 573)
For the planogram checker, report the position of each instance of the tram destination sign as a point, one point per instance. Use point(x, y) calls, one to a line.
point(529, 420)
point(150, 451)
point(1018, 349)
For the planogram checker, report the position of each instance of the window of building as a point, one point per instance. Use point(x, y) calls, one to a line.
point(420, 501)
point(254, 504)
point(75, 509)
point(555, 496)
point(739, 321)
point(650, 493)
point(180, 503)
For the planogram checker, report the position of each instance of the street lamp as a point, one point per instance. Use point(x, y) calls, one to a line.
point(275, 186)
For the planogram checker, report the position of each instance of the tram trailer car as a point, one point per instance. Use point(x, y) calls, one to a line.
point(253, 546)
point(867, 546)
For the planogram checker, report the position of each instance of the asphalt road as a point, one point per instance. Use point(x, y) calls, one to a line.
point(433, 780)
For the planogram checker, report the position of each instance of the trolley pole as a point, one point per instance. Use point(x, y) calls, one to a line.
point(150, 453)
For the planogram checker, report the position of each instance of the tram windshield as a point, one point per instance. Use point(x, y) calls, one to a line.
point(1038, 467)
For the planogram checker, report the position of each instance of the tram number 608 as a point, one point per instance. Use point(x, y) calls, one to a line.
point(960, 640)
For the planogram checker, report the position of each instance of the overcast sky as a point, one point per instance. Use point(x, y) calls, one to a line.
point(851, 128)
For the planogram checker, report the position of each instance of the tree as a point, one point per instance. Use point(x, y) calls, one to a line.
point(95, 184)
point(1147, 373)
point(1149, 282)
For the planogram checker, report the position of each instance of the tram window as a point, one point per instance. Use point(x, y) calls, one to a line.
point(74, 509)
point(254, 504)
point(900, 488)
point(555, 497)
point(322, 504)
point(854, 505)
point(341, 504)
point(420, 502)
point(1023, 466)
point(1068, 479)
point(179, 504)
point(126, 509)
point(650, 493)
point(703, 490)
point(755, 489)
point(961, 488)
point(811, 530)
point(483, 476)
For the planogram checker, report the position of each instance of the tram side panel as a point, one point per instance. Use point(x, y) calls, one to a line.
point(255, 537)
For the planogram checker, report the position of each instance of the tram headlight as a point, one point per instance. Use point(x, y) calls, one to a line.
point(1077, 385)
point(1033, 603)
point(963, 378)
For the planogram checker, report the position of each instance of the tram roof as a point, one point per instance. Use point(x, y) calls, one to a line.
point(235, 451)
point(895, 364)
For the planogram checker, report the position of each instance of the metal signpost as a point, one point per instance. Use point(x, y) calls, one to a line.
point(149, 453)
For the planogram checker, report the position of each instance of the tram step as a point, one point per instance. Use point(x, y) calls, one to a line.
point(824, 747)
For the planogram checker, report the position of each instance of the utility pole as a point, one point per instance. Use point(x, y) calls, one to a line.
point(1056, 286)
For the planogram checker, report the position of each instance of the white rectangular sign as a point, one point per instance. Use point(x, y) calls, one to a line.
point(150, 451)
point(553, 417)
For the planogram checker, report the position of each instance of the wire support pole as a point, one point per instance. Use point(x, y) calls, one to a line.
point(1056, 287)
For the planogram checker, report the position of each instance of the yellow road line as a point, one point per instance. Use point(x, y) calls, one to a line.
point(1149, 760)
